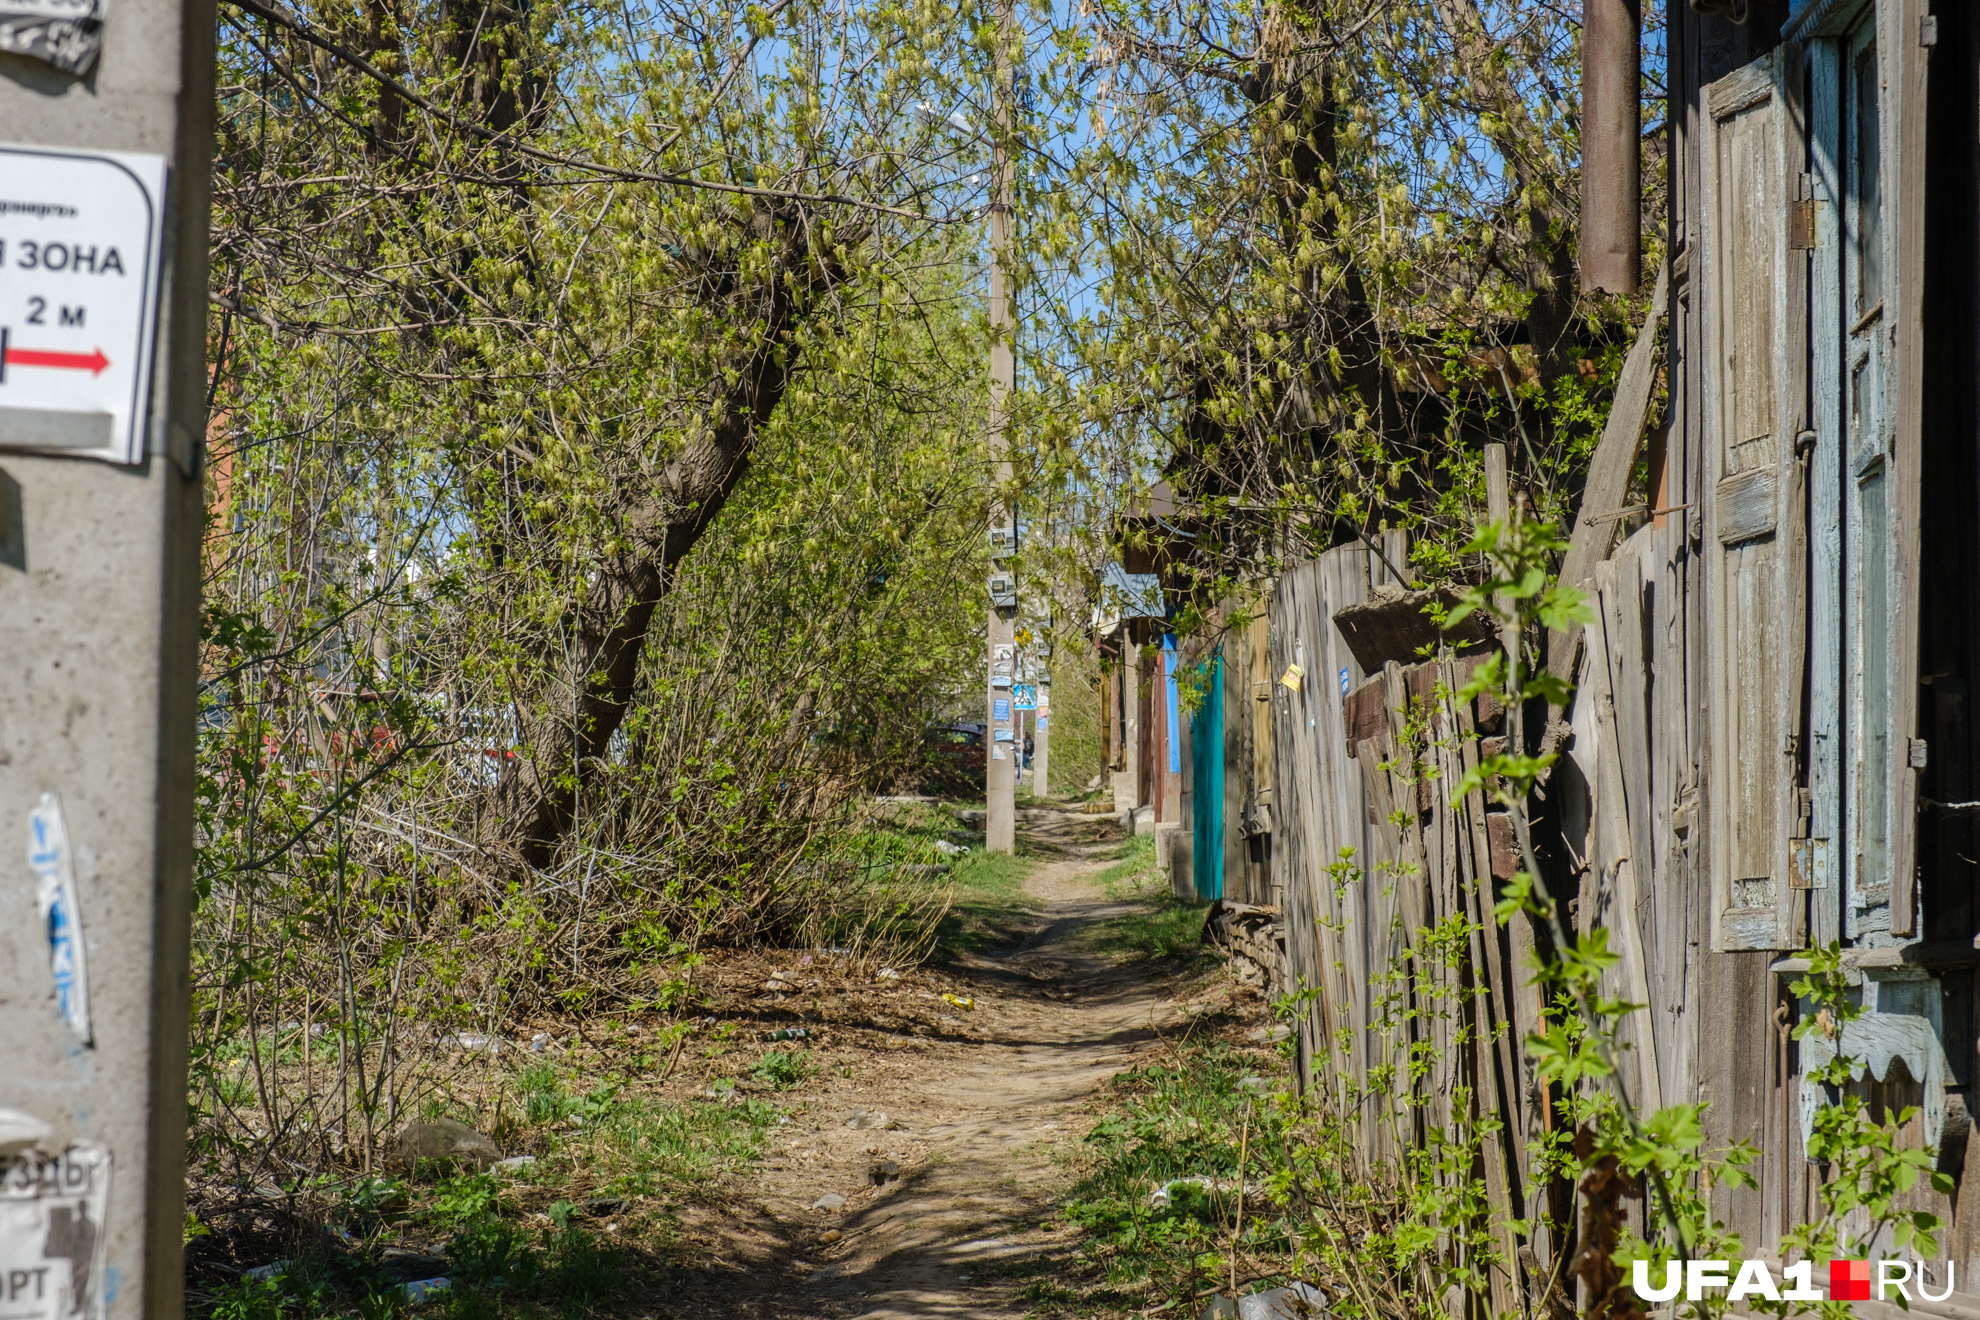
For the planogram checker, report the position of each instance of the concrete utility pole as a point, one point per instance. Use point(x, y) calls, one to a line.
point(1042, 724)
point(1005, 743)
point(105, 176)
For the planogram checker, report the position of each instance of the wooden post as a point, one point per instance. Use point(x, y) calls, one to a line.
point(1526, 999)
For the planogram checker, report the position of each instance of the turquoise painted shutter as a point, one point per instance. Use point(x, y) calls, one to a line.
point(1207, 774)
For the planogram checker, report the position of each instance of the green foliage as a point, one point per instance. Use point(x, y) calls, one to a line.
point(464, 1199)
point(1301, 264)
point(458, 384)
point(1869, 1170)
point(488, 1252)
point(785, 1069)
point(582, 1271)
point(544, 1099)
point(250, 1299)
point(1135, 874)
point(1187, 1119)
point(646, 1145)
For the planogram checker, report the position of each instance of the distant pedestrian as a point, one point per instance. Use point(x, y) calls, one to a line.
point(1028, 745)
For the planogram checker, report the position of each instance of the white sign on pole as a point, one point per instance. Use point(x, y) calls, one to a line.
point(80, 238)
point(52, 1235)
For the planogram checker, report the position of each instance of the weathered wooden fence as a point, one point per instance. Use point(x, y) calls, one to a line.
point(1388, 884)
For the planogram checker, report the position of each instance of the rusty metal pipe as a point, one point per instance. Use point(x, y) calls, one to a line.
point(1611, 164)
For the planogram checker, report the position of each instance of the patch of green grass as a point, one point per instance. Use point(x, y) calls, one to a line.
point(989, 895)
point(248, 1299)
point(1163, 927)
point(785, 1069)
point(497, 1265)
point(547, 1100)
point(1135, 875)
point(641, 1144)
point(582, 1271)
point(987, 877)
point(645, 1145)
point(1186, 1119)
point(896, 828)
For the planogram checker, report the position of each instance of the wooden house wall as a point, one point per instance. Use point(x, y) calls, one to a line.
point(1696, 1061)
point(1248, 674)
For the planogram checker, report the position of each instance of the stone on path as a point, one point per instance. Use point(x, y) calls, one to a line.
point(445, 1139)
point(874, 1120)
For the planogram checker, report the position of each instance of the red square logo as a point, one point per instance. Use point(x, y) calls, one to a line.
point(1849, 1280)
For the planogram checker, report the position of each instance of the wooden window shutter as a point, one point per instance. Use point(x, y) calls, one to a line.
point(1751, 518)
point(1902, 35)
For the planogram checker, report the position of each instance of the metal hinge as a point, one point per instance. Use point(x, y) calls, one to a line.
point(1801, 215)
point(1808, 864)
point(1917, 757)
point(1928, 30)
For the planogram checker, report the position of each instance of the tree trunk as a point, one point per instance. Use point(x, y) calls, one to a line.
point(535, 804)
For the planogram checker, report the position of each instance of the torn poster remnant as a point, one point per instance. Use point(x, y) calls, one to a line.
point(65, 33)
point(61, 915)
point(19, 1131)
point(52, 1238)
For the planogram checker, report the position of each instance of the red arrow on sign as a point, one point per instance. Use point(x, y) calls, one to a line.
point(93, 362)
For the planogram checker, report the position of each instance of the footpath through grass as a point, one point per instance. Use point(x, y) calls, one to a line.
point(623, 1128)
point(1172, 1191)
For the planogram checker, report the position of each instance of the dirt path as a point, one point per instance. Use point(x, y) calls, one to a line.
point(974, 1124)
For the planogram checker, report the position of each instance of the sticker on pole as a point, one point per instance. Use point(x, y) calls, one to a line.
point(61, 917)
point(79, 262)
point(52, 1239)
